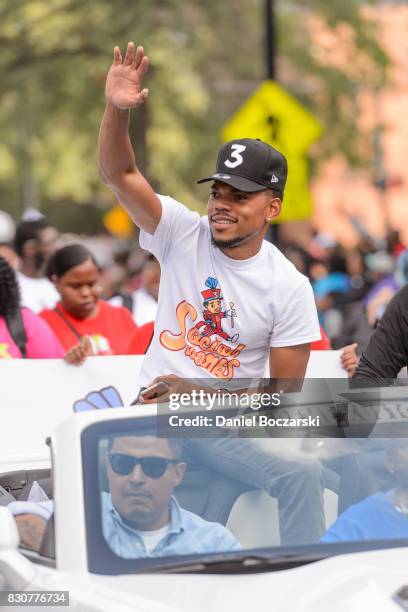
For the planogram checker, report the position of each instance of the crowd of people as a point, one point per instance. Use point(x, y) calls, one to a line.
point(61, 281)
point(352, 287)
point(55, 300)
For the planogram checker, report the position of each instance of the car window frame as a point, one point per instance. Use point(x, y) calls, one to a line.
point(101, 558)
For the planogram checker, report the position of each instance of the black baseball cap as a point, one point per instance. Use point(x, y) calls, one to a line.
point(250, 165)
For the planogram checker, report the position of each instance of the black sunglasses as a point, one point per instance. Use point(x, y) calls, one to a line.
point(153, 467)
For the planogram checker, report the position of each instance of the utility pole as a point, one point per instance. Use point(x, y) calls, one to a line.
point(270, 54)
point(270, 46)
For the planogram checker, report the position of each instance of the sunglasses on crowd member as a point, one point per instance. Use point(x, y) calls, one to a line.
point(153, 467)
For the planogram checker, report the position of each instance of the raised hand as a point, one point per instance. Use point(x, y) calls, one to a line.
point(124, 81)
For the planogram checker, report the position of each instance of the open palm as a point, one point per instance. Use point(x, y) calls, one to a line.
point(124, 81)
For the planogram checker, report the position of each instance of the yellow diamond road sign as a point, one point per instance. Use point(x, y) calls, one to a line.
point(276, 117)
point(117, 222)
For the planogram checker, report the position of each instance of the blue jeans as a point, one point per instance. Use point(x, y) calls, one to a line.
point(363, 472)
point(297, 482)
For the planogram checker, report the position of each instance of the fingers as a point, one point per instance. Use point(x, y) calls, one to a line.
point(155, 400)
point(143, 66)
point(76, 355)
point(72, 357)
point(349, 364)
point(139, 55)
point(69, 357)
point(144, 94)
point(350, 349)
point(349, 358)
point(136, 59)
point(169, 379)
point(87, 346)
point(130, 54)
point(117, 57)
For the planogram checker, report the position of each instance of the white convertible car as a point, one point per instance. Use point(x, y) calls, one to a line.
point(244, 559)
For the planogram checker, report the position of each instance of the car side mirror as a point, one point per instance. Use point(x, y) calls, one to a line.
point(15, 569)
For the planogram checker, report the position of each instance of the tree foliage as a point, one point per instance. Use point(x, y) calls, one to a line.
point(206, 58)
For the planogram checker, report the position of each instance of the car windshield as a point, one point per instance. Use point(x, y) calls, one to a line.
point(169, 498)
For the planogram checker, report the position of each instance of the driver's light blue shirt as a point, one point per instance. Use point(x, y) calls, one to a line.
point(188, 534)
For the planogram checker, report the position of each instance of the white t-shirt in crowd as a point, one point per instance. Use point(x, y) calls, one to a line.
point(144, 306)
point(265, 303)
point(37, 293)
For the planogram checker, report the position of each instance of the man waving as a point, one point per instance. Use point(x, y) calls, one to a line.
point(274, 317)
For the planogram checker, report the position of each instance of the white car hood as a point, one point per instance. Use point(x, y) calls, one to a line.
point(353, 582)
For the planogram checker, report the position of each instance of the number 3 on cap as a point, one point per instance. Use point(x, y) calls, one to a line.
point(236, 151)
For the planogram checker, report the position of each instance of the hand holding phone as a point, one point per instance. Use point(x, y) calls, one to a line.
point(155, 391)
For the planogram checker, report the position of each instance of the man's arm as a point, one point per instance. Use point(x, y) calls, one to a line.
point(387, 350)
point(117, 164)
point(287, 367)
point(288, 364)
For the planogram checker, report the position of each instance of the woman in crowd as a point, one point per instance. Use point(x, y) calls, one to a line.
point(22, 333)
point(81, 321)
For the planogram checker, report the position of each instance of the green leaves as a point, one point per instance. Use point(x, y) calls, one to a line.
point(206, 58)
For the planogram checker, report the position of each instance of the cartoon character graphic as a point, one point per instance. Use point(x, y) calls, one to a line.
point(213, 313)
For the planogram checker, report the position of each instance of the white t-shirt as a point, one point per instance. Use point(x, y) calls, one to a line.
point(152, 538)
point(265, 303)
point(37, 293)
point(144, 306)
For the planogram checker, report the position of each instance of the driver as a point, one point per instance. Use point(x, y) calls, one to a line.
point(140, 515)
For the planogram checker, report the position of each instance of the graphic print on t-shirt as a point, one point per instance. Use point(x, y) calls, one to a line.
point(100, 345)
point(202, 343)
point(4, 353)
point(213, 314)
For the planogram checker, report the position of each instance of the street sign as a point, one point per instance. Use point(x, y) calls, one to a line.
point(118, 222)
point(276, 117)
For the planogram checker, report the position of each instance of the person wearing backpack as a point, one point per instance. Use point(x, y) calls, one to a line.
point(23, 334)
